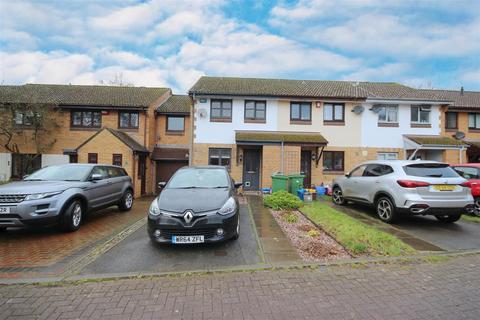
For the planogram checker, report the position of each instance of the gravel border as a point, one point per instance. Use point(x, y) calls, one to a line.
point(320, 247)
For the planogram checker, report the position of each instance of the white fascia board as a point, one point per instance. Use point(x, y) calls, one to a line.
point(253, 97)
point(400, 101)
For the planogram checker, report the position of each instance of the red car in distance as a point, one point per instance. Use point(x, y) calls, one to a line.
point(471, 172)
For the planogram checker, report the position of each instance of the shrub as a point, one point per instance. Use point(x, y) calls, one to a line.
point(282, 200)
point(290, 218)
point(313, 233)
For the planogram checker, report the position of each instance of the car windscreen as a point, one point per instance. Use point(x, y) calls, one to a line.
point(199, 178)
point(60, 173)
point(430, 170)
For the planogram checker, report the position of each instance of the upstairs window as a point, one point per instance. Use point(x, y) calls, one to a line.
point(420, 114)
point(301, 111)
point(334, 112)
point(221, 110)
point(175, 124)
point(451, 120)
point(25, 118)
point(86, 119)
point(255, 110)
point(474, 121)
point(128, 120)
point(387, 114)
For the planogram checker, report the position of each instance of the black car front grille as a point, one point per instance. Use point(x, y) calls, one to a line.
point(12, 198)
point(207, 233)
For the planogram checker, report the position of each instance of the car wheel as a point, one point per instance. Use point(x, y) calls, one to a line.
point(337, 196)
point(126, 203)
point(476, 208)
point(237, 230)
point(73, 216)
point(449, 218)
point(386, 210)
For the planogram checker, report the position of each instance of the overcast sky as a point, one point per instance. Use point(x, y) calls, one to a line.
point(173, 42)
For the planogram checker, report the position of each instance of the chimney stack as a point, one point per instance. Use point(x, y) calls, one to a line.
point(461, 91)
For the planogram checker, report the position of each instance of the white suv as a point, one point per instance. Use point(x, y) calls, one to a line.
point(417, 187)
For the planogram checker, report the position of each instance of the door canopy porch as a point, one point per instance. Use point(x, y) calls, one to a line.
point(312, 139)
point(425, 142)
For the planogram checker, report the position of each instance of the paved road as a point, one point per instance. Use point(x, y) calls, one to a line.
point(442, 290)
point(138, 253)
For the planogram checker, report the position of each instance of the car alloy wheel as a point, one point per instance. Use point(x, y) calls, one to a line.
point(128, 200)
point(384, 209)
point(476, 208)
point(77, 215)
point(337, 196)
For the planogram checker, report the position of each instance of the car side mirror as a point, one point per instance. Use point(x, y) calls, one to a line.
point(348, 175)
point(25, 176)
point(238, 184)
point(96, 177)
point(162, 184)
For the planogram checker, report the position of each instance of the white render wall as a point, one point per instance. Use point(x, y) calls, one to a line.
point(392, 137)
point(5, 166)
point(224, 132)
point(54, 159)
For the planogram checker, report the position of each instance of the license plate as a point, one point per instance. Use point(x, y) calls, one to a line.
point(187, 239)
point(4, 210)
point(444, 187)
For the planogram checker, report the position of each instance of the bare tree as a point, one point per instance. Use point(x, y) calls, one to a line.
point(28, 128)
point(117, 81)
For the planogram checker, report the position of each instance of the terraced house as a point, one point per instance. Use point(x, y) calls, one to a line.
point(320, 128)
point(124, 126)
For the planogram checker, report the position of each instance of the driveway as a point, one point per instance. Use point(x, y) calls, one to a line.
point(137, 253)
point(423, 230)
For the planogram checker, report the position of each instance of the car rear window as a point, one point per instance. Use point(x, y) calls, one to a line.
point(430, 170)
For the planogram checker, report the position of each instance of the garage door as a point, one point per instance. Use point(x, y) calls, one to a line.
point(165, 169)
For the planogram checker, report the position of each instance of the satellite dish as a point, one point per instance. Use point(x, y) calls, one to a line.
point(202, 113)
point(459, 135)
point(358, 109)
point(375, 109)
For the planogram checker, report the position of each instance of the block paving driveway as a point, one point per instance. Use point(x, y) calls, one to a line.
point(417, 290)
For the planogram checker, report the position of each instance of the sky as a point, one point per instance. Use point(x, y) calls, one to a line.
point(171, 43)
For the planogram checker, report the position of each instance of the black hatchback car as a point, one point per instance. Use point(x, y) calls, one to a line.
point(197, 205)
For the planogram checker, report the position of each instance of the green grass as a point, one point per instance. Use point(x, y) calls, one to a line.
point(290, 218)
point(470, 218)
point(357, 237)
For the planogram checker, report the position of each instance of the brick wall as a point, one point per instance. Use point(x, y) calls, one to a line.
point(163, 137)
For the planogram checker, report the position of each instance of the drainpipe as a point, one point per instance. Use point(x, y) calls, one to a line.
point(282, 166)
point(461, 154)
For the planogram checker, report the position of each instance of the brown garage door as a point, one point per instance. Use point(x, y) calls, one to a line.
point(165, 169)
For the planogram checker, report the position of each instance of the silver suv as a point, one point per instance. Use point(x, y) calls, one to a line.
point(412, 187)
point(64, 194)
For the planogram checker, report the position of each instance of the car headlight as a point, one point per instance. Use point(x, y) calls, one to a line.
point(44, 195)
point(229, 207)
point(154, 209)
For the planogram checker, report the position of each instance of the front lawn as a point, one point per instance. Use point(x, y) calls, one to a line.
point(357, 237)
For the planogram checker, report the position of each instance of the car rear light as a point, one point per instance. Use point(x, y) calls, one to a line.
point(468, 184)
point(412, 184)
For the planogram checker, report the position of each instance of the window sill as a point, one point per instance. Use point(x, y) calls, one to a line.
point(420, 125)
point(129, 129)
point(220, 119)
point(388, 124)
point(175, 133)
point(301, 122)
point(473, 130)
point(333, 172)
point(85, 129)
point(333, 123)
point(451, 130)
point(255, 121)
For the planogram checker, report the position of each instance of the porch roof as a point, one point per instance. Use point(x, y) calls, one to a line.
point(435, 142)
point(275, 137)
